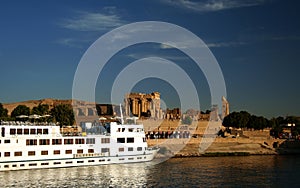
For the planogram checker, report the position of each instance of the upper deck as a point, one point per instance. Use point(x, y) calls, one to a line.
point(27, 129)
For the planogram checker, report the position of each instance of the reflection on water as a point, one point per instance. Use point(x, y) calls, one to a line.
point(258, 171)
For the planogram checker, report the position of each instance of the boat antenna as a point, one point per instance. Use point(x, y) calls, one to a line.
point(122, 119)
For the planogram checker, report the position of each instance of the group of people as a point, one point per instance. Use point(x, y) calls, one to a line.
point(167, 134)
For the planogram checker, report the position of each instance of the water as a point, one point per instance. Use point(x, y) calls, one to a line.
point(250, 171)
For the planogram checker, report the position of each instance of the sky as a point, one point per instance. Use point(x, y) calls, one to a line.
point(255, 42)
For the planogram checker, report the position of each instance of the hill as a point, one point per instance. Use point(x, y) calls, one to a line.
point(32, 103)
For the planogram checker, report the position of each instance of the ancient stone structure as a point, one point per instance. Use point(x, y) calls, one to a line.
point(225, 107)
point(143, 105)
point(173, 114)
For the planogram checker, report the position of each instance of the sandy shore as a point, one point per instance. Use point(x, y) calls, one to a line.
point(195, 147)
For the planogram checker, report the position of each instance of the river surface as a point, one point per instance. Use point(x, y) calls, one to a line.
point(238, 171)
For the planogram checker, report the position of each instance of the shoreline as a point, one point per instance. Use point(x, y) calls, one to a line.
point(220, 147)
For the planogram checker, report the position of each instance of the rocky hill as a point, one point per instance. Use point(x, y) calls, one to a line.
point(32, 103)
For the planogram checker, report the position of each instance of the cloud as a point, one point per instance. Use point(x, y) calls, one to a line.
point(225, 44)
point(213, 5)
point(72, 42)
point(163, 56)
point(280, 38)
point(104, 20)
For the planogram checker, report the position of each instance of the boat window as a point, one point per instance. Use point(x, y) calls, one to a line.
point(130, 129)
point(32, 164)
point(121, 159)
point(130, 149)
point(18, 153)
point(144, 139)
point(57, 163)
point(79, 161)
point(130, 158)
point(91, 161)
point(101, 160)
point(3, 131)
point(69, 162)
point(123, 129)
point(45, 131)
point(79, 151)
point(105, 140)
point(19, 131)
point(69, 151)
point(68, 141)
point(44, 142)
point(39, 131)
point(91, 151)
point(56, 152)
point(31, 142)
point(6, 141)
point(45, 152)
point(32, 131)
point(43, 164)
point(139, 148)
point(79, 141)
point(120, 140)
point(56, 141)
point(121, 149)
point(12, 131)
point(104, 150)
point(26, 131)
point(130, 140)
point(6, 154)
point(31, 153)
point(90, 141)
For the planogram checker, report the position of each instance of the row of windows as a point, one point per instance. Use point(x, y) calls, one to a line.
point(128, 140)
point(55, 163)
point(45, 152)
point(131, 149)
point(27, 131)
point(57, 152)
point(31, 142)
point(130, 130)
point(67, 162)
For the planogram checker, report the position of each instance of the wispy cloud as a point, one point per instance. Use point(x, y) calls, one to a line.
point(107, 18)
point(164, 56)
point(225, 44)
point(280, 38)
point(73, 42)
point(192, 44)
point(213, 5)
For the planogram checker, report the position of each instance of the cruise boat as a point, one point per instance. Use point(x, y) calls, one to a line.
point(25, 145)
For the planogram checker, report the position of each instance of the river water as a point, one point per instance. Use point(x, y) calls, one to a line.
point(238, 171)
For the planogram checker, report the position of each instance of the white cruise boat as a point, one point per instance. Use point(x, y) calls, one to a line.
point(25, 145)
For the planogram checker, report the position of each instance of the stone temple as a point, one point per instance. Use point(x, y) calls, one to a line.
point(143, 105)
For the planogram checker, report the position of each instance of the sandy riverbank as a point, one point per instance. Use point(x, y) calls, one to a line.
point(219, 147)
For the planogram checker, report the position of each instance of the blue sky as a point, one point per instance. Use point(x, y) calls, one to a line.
point(256, 43)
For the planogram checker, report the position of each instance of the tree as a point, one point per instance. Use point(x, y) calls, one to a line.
point(41, 109)
point(63, 113)
point(20, 110)
point(3, 111)
point(237, 119)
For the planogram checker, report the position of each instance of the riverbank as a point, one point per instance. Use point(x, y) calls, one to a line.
point(224, 147)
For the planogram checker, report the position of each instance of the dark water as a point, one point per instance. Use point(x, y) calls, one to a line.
point(248, 171)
